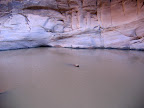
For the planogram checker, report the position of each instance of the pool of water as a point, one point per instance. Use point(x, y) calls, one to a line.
point(46, 78)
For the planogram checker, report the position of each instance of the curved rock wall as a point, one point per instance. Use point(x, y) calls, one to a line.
point(72, 23)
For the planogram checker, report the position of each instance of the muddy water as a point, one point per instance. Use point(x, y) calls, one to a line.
point(46, 78)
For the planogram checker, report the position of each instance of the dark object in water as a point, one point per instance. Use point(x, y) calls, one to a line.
point(76, 65)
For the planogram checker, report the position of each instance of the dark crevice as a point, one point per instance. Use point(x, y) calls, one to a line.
point(44, 46)
point(142, 5)
point(61, 20)
point(45, 8)
point(36, 8)
point(60, 38)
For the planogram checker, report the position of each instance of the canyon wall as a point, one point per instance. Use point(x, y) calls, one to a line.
point(72, 23)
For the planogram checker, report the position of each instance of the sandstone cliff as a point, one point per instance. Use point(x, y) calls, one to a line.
point(72, 23)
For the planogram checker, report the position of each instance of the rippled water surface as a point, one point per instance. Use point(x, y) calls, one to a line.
point(46, 78)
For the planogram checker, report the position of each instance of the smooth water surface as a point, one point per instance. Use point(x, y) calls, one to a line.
point(46, 78)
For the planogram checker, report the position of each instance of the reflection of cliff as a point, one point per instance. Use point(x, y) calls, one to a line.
point(73, 23)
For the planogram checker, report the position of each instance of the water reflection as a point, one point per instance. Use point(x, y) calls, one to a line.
point(43, 78)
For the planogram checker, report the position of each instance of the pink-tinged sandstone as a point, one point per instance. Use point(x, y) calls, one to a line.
point(72, 23)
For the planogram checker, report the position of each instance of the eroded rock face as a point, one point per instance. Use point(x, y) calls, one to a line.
point(72, 23)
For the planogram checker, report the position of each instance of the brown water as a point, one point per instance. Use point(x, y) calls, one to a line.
point(45, 78)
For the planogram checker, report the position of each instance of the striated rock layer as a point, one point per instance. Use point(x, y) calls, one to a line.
point(72, 23)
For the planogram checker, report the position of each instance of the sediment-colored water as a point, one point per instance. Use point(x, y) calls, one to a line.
point(46, 78)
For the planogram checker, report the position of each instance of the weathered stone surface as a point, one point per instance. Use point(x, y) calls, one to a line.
point(72, 23)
